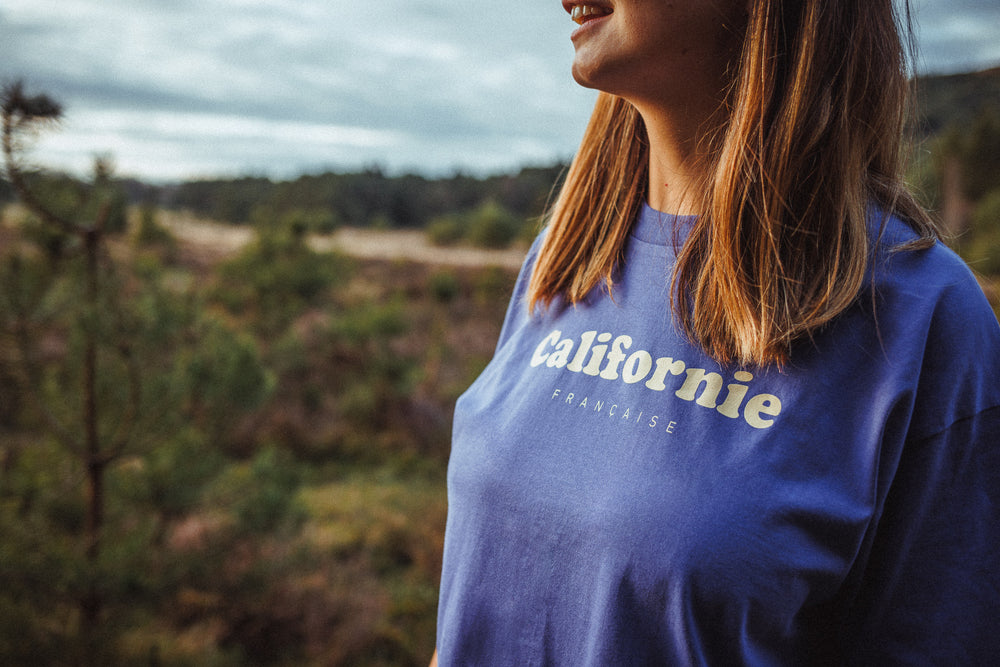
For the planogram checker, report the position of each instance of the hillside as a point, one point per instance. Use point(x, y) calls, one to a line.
point(957, 99)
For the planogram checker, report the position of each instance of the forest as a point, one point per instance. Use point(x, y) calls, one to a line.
point(236, 455)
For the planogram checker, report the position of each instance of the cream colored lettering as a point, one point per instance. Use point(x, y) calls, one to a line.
point(559, 358)
point(586, 340)
point(583, 403)
point(671, 426)
point(606, 356)
point(637, 367)
point(695, 378)
point(597, 355)
point(664, 365)
point(539, 357)
point(615, 357)
point(653, 420)
point(737, 392)
point(762, 404)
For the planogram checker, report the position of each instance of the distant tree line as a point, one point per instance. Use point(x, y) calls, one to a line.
point(955, 100)
point(367, 198)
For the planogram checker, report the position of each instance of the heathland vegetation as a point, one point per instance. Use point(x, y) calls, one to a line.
point(228, 455)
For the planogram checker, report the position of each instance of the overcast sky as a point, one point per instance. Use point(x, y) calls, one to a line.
point(174, 89)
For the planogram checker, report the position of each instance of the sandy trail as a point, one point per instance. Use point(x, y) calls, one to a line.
point(410, 245)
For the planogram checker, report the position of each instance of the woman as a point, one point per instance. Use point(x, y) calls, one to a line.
point(744, 408)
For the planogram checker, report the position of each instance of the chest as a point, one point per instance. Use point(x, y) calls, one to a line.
point(621, 448)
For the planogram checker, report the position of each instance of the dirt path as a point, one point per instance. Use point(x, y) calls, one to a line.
point(365, 243)
point(414, 246)
point(225, 239)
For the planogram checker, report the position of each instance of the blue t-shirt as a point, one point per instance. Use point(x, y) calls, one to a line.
point(616, 497)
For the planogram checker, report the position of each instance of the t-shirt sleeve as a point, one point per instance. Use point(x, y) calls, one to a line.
point(931, 592)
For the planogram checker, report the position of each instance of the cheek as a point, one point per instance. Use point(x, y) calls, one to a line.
point(696, 25)
point(693, 38)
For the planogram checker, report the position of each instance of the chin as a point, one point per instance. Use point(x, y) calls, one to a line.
point(609, 75)
point(583, 81)
point(586, 76)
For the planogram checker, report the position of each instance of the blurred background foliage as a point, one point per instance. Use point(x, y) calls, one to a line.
point(271, 421)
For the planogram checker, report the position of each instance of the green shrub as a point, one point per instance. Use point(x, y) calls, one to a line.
point(150, 231)
point(489, 225)
point(310, 221)
point(492, 226)
point(278, 276)
point(224, 375)
point(981, 155)
point(445, 230)
point(370, 323)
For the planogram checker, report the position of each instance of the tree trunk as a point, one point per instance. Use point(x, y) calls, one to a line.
point(92, 602)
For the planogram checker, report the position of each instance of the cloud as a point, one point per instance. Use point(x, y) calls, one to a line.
point(957, 35)
point(454, 85)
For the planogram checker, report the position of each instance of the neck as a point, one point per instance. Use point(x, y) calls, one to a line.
point(678, 162)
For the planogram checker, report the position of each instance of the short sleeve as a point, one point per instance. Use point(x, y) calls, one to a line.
point(931, 585)
point(933, 580)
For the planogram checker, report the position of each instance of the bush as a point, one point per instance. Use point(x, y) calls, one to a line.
point(53, 241)
point(445, 230)
point(310, 221)
point(279, 276)
point(150, 231)
point(492, 226)
point(224, 376)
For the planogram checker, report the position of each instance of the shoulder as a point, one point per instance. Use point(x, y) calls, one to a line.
point(528, 268)
point(532, 256)
point(931, 312)
point(932, 276)
point(517, 309)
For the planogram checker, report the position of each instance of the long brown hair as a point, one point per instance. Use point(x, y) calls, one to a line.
point(811, 136)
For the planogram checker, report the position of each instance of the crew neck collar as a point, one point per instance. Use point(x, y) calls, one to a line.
point(657, 227)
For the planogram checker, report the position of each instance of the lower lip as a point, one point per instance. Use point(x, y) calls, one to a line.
point(588, 26)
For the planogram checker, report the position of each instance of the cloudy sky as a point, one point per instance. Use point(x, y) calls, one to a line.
point(174, 89)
